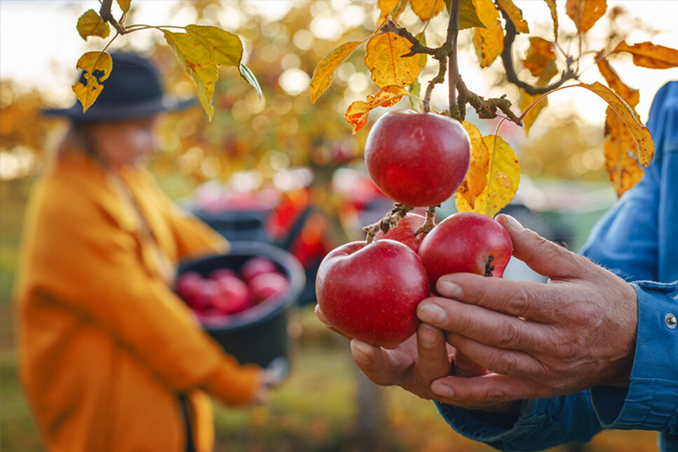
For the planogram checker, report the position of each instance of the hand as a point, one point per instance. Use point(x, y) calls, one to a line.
point(539, 340)
point(270, 377)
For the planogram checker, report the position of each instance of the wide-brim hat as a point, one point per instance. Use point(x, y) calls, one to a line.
point(133, 90)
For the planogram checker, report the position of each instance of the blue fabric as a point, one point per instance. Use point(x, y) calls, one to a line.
point(638, 240)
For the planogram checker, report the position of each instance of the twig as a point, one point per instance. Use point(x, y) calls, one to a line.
point(107, 15)
point(487, 109)
point(430, 222)
point(453, 80)
point(389, 221)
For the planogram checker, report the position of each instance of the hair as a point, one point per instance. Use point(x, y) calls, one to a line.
point(77, 138)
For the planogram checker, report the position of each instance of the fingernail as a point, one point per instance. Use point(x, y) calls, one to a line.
point(441, 389)
point(431, 313)
point(361, 352)
point(448, 289)
point(513, 224)
point(427, 336)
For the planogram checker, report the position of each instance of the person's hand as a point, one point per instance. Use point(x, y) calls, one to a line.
point(538, 340)
point(270, 377)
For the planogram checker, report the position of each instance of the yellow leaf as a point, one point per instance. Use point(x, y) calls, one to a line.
point(323, 75)
point(514, 14)
point(646, 54)
point(468, 16)
point(97, 66)
point(631, 96)
point(554, 17)
point(503, 178)
point(91, 24)
point(585, 13)
point(427, 9)
point(524, 102)
point(488, 41)
point(198, 64)
point(476, 178)
point(225, 48)
point(391, 7)
point(645, 149)
point(622, 166)
point(124, 5)
point(358, 112)
point(539, 56)
point(386, 63)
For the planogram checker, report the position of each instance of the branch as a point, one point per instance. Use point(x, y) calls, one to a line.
point(452, 33)
point(107, 16)
point(417, 47)
point(486, 109)
point(389, 221)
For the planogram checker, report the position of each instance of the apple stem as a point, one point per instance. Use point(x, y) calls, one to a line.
point(390, 220)
point(430, 223)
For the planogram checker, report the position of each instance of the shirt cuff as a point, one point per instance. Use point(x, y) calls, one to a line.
point(650, 401)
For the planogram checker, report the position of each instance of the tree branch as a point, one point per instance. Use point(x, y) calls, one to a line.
point(453, 80)
point(107, 16)
point(389, 221)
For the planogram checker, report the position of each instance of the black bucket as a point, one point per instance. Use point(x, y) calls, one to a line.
point(259, 334)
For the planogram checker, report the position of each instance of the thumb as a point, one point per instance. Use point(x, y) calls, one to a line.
point(541, 255)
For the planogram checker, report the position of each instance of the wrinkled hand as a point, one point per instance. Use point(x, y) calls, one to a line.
point(537, 340)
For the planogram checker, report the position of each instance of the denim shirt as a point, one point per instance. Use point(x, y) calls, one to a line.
point(638, 240)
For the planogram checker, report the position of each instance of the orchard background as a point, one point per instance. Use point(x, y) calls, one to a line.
point(281, 153)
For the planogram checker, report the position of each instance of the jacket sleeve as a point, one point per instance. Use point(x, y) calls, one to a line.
point(84, 261)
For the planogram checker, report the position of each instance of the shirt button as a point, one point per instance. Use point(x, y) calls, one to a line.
point(670, 321)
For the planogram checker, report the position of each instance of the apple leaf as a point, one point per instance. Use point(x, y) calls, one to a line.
point(554, 17)
point(539, 56)
point(224, 48)
point(653, 56)
point(91, 24)
point(391, 8)
point(323, 75)
point(514, 14)
point(247, 75)
point(386, 63)
point(427, 9)
point(621, 162)
point(198, 64)
point(645, 146)
point(631, 96)
point(125, 5)
point(468, 16)
point(488, 41)
point(358, 112)
point(476, 178)
point(97, 66)
point(585, 13)
point(524, 102)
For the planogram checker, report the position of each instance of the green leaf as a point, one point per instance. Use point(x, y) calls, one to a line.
point(97, 67)
point(198, 64)
point(91, 24)
point(250, 78)
point(225, 48)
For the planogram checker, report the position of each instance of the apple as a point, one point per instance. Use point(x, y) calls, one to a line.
point(188, 284)
point(466, 242)
point(233, 295)
point(268, 285)
point(256, 266)
point(371, 291)
point(220, 273)
point(418, 159)
point(404, 231)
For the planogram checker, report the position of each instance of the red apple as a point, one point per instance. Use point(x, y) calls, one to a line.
point(223, 272)
point(188, 284)
point(404, 231)
point(233, 295)
point(418, 159)
point(268, 285)
point(203, 299)
point(371, 292)
point(466, 242)
point(256, 266)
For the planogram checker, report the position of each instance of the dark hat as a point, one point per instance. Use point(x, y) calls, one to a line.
point(133, 90)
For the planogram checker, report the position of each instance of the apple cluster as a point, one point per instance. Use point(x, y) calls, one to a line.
point(370, 291)
point(225, 292)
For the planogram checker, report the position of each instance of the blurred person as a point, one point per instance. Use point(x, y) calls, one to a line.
point(594, 348)
point(109, 357)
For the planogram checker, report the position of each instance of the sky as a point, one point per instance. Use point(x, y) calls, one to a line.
point(39, 46)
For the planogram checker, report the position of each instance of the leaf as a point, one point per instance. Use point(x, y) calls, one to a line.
point(250, 78)
point(585, 13)
point(539, 56)
point(622, 166)
point(391, 7)
point(524, 102)
point(358, 112)
point(386, 63)
point(427, 9)
point(646, 54)
point(323, 75)
point(468, 16)
point(503, 178)
point(91, 24)
point(198, 64)
point(514, 14)
point(554, 17)
point(124, 5)
point(97, 67)
point(631, 96)
point(645, 146)
point(476, 178)
point(488, 41)
point(224, 48)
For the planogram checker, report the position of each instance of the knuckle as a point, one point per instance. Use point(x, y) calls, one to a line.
point(505, 363)
point(519, 302)
point(496, 394)
point(510, 335)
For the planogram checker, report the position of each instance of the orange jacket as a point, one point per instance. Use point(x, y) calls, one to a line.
point(105, 345)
